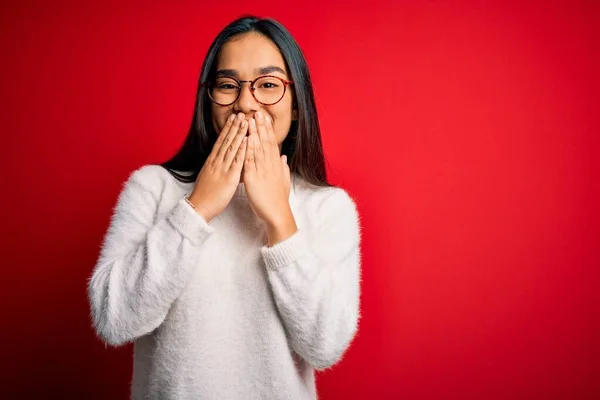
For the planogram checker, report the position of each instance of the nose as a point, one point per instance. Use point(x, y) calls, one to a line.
point(246, 103)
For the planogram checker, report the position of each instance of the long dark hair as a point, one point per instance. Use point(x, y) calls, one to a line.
point(302, 146)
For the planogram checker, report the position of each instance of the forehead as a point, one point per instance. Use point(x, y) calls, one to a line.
point(246, 53)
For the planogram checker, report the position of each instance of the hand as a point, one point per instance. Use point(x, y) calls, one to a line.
point(220, 175)
point(266, 177)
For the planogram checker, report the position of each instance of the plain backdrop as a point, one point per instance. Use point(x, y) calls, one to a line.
point(467, 132)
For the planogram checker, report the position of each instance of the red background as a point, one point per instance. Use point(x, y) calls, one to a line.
point(467, 132)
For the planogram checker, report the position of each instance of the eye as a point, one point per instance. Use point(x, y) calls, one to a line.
point(227, 86)
point(269, 85)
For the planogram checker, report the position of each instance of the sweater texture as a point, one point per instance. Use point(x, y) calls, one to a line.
point(215, 314)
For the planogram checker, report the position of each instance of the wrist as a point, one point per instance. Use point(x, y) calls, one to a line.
point(198, 207)
point(279, 214)
point(279, 229)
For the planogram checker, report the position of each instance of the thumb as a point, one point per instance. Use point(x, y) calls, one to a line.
point(286, 167)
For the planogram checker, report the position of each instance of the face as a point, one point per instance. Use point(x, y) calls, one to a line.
point(245, 58)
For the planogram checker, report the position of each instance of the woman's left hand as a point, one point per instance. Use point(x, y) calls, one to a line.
point(266, 177)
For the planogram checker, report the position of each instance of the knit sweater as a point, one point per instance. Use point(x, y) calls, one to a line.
point(213, 312)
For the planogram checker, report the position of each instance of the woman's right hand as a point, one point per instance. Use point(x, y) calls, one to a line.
point(220, 175)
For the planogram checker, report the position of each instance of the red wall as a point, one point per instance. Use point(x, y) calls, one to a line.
point(467, 132)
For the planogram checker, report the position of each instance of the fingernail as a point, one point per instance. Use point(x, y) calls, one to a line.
point(259, 115)
point(240, 116)
point(253, 123)
point(244, 123)
point(231, 117)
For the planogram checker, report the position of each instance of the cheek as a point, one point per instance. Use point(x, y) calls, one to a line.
point(283, 121)
point(219, 118)
point(282, 116)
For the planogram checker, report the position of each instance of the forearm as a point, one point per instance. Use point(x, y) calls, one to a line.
point(318, 301)
point(315, 278)
point(136, 280)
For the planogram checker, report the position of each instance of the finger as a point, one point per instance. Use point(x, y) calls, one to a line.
point(230, 136)
point(274, 148)
point(240, 156)
point(259, 155)
point(253, 131)
point(233, 131)
point(223, 133)
point(250, 161)
point(286, 167)
point(232, 149)
point(288, 172)
point(252, 128)
point(221, 138)
point(263, 138)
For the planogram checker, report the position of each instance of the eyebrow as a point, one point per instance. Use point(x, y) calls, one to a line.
point(259, 71)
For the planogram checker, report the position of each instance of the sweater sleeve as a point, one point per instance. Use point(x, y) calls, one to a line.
point(316, 283)
point(144, 261)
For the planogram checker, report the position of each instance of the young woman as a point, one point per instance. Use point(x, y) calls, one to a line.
point(234, 267)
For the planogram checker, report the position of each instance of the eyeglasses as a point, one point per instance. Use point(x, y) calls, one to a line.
point(266, 89)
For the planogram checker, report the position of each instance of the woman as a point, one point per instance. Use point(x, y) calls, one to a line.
point(235, 275)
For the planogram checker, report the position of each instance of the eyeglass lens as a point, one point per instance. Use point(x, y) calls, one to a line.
point(267, 90)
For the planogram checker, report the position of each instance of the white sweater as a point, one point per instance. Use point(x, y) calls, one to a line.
point(216, 314)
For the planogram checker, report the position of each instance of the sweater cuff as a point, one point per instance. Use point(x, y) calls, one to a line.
point(286, 251)
point(189, 223)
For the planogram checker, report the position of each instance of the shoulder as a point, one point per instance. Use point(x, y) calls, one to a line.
point(326, 202)
point(150, 175)
point(329, 213)
point(152, 179)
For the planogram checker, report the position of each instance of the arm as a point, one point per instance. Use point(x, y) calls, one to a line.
point(143, 264)
point(317, 287)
